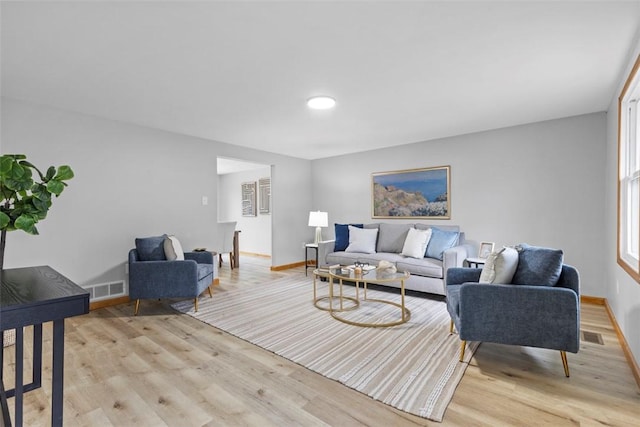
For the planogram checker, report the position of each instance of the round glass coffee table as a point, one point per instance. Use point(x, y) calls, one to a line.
point(342, 274)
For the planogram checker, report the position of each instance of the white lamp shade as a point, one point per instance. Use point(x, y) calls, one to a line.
point(318, 219)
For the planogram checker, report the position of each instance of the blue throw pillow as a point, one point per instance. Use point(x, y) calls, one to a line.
point(151, 248)
point(342, 236)
point(440, 241)
point(538, 266)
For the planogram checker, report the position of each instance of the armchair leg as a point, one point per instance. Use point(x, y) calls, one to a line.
point(231, 260)
point(462, 345)
point(451, 327)
point(135, 313)
point(210, 293)
point(565, 364)
point(195, 303)
point(219, 260)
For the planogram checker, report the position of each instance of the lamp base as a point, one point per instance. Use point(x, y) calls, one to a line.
point(318, 235)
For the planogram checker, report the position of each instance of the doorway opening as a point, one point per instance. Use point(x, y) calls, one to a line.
point(244, 196)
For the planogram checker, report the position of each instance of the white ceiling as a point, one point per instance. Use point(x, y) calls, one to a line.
point(240, 72)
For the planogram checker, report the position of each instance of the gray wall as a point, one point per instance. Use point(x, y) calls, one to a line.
point(622, 292)
point(540, 183)
point(255, 235)
point(134, 181)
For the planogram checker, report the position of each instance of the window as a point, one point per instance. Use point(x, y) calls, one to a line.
point(629, 174)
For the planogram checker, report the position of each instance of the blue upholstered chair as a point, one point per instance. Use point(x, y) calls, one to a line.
point(533, 315)
point(152, 275)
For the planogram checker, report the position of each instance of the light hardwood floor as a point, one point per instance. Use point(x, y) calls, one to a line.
point(162, 368)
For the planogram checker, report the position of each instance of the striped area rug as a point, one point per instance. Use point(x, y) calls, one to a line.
point(413, 367)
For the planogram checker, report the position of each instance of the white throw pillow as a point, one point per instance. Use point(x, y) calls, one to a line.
point(416, 243)
point(362, 240)
point(499, 267)
point(173, 249)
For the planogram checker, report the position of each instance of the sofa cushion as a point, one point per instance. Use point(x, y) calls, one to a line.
point(342, 236)
point(500, 266)
point(415, 244)
point(538, 266)
point(362, 240)
point(428, 267)
point(173, 249)
point(392, 237)
point(440, 241)
point(151, 248)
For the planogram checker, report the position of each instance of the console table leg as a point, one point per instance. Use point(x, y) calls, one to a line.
point(58, 372)
point(37, 356)
point(19, 386)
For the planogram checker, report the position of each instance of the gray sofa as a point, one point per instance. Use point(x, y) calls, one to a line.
point(427, 274)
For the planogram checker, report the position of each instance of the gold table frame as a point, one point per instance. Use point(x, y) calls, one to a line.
point(374, 277)
point(316, 299)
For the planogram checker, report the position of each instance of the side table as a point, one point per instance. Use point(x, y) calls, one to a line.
point(479, 262)
point(308, 246)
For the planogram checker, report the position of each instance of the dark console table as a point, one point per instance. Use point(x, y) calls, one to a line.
point(31, 296)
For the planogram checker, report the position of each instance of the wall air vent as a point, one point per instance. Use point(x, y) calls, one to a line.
point(104, 291)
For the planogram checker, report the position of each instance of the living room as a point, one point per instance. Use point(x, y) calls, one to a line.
point(551, 180)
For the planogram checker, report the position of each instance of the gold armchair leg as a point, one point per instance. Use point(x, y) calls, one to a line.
point(462, 345)
point(210, 293)
point(451, 327)
point(195, 303)
point(135, 313)
point(565, 364)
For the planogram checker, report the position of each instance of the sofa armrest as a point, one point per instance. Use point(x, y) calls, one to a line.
point(325, 248)
point(458, 275)
point(537, 316)
point(454, 257)
point(162, 279)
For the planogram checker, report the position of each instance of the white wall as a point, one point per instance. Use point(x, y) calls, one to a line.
point(134, 181)
point(255, 235)
point(622, 292)
point(540, 183)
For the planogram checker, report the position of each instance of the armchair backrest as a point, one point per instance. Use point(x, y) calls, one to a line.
point(224, 236)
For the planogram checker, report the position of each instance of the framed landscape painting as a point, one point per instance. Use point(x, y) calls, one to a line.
point(415, 193)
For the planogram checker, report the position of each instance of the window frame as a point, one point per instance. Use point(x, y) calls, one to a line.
point(628, 172)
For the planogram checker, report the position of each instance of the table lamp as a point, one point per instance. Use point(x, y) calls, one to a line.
point(318, 219)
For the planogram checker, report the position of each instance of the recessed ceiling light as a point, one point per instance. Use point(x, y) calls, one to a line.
point(321, 102)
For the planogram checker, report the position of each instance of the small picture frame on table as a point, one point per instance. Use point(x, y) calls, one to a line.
point(485, 249)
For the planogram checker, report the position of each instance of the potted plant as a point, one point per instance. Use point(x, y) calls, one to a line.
point(25, 200)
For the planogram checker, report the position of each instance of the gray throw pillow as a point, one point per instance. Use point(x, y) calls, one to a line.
point(392, 236)
point(151, 248)
point(538, 266)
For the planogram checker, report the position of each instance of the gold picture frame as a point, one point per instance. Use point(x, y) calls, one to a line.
point(413, 193)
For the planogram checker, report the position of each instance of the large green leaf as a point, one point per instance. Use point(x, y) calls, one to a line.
point(64, 173)
point(26, 223)
point(6, 164)
point(40, 191)
point(41, 205)
point(54, 186)
point(4, 220)
point(51, 172)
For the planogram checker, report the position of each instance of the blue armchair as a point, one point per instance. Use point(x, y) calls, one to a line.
point(526, 315)
point(161, 278)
